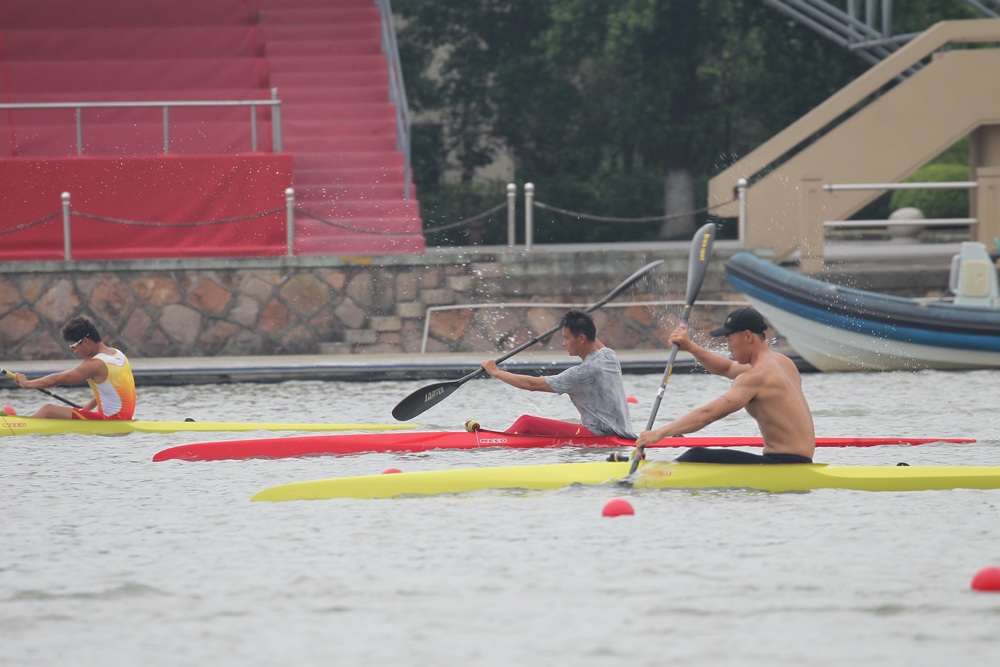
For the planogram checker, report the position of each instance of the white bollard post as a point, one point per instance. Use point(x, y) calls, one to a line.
point(290, 222)
point(511, 214)
point(67, 242)
point(529, 221)
point(741, 193)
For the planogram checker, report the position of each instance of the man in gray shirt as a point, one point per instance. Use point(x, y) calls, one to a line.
point(595, 386)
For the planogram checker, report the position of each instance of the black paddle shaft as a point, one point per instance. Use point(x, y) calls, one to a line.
point(423, 399)
point(701, 253)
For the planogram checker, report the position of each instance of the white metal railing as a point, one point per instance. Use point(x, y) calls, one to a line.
point(915, 222)
point(943, 185)
point(166, 105)
point(626, 304)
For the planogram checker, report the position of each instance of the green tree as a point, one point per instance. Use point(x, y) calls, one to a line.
point(936, 203)
point(621, 108)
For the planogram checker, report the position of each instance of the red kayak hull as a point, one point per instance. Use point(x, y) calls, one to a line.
point(421, 441)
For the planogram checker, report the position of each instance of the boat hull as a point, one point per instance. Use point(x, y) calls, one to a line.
point(18, 425)
point(421, 441)
point(655, 475)
point(836, 328)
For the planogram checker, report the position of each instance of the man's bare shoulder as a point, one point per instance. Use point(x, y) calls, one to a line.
point(786, 362)
point(767, 365)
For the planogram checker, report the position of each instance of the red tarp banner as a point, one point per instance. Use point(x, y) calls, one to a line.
point(144, 195)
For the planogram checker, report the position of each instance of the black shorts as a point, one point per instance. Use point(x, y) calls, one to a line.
point(709, 455)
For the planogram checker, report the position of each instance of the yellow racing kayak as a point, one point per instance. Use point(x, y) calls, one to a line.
point(651, 475)
point(18, 425)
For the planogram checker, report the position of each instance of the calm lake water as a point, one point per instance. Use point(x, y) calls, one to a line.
point(109, 559)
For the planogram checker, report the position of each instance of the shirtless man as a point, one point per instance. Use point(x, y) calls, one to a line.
point(594, 386)
point(105, 369)
point(765, 382)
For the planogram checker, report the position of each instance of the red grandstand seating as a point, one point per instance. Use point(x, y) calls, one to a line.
point(152, 42)
point(119, 77)
point(323, 57)
point(28, 14)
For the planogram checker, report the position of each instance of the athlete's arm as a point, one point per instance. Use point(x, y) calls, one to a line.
point(528, 382)
point(91, 369)
point(716, 364)
point(739, 394)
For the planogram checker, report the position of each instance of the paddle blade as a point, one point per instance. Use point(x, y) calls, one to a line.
point(701, 253)
point(424, 399)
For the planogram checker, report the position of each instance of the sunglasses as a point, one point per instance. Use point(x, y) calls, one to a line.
point(75, 345)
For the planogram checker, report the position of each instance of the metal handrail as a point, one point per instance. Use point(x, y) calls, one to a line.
point(918, 222)
point(936, 185)
point(78, 107)
point(397, 89)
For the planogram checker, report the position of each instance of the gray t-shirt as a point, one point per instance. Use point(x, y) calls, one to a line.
point(595, 387)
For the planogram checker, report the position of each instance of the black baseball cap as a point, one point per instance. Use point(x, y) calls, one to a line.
point(741, 319)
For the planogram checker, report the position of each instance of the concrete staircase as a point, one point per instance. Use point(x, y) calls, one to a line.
point(880, 128)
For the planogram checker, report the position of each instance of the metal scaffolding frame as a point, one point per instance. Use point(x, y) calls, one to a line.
point(864, 27)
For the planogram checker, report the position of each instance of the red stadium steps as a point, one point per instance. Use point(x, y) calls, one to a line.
point(358, 178)
point(339, 128)
point(320, 13)
point(386, 160)
point(340, 144)
point(323, 31)
point(338, 110)
point(370, 95)
point(343, 191)
point(323, 79)
point(313, 238)
point(374, 65)
point(327, 64)
point(369, 209)
point(346, 48)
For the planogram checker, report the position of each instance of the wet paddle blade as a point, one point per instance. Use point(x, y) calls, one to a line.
point(423, 399)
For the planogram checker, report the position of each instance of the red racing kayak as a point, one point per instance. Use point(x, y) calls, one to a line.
point(421, 441)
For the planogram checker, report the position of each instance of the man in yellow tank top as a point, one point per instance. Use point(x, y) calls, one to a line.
point(105, 369)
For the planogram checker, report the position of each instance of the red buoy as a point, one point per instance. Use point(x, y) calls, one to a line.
point(9, 410)
point(618, 507)
point(390, 471)
point(987, 579)
point(632, 399)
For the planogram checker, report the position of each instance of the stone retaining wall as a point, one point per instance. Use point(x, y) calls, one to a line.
point(322, 305)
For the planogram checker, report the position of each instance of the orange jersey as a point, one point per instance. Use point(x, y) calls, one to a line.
point(116, 395)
